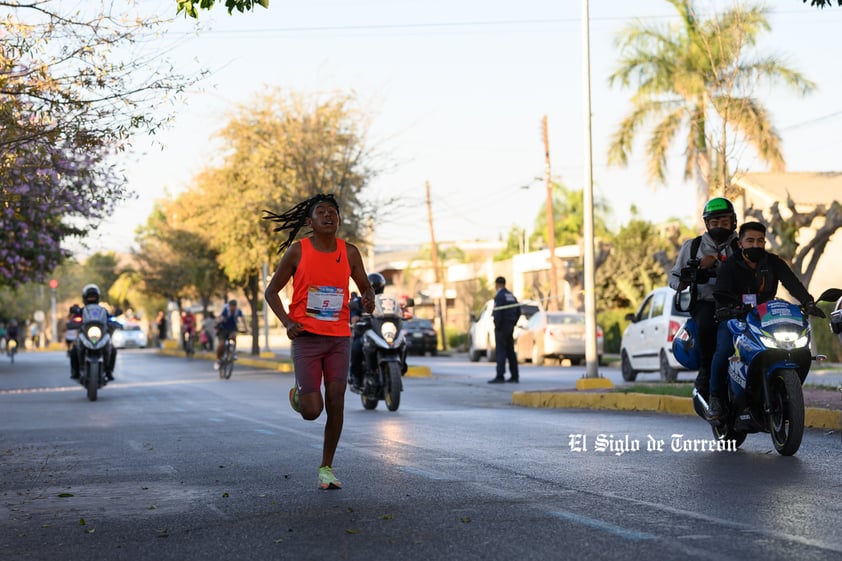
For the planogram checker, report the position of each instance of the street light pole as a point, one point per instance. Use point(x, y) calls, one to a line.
point(591, 358)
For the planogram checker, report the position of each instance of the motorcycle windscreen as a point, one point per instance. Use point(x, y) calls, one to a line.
point(385, 306)
point(777, 313)
point(93, 313)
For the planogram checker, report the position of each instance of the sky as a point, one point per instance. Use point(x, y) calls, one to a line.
point(457, 90)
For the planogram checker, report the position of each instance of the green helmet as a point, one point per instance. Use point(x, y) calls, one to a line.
point(718, 206)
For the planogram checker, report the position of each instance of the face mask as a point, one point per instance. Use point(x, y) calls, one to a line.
point(754, 254)
point(719, 235)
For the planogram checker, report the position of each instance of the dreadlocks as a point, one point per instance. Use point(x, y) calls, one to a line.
point(295, 218)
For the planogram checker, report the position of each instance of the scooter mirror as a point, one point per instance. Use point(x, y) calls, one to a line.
point(830, 295)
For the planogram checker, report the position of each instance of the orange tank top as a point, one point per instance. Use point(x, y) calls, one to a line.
point(320, 290)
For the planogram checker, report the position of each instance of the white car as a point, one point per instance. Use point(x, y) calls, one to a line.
point(481, 335)
point(129, 336)
point(647, 341)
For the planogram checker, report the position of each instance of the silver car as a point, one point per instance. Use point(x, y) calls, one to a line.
point(481, 335)
point(647, 340)
point(556, 335)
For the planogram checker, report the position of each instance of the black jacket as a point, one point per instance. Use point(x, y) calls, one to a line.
point(510, 311)
point(735, 278)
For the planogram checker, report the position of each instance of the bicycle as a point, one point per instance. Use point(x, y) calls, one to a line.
point(188, 339)
point(229, 355)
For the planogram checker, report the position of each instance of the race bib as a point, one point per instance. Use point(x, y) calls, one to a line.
point(750, 299)
point(325, 302)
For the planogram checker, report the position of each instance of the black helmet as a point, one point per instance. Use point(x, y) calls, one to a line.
point(377, 282)
point(719, 206)
point(90, 294)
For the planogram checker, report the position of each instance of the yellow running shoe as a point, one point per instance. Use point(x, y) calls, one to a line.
point(293, 399)
point(327, 480)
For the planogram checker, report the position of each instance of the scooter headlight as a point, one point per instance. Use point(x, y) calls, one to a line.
point(785, 340)
point(94, 333)
point(389, 331)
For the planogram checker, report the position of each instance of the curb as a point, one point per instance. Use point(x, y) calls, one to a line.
point(814, 417)
point(278, 364)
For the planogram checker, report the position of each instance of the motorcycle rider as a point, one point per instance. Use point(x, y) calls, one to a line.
point(696, 266)
point(72, 327)
point(748, 278)
point(359, 324)
point(90, 297)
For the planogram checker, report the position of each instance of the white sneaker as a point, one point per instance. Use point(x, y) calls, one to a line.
point(216, 365)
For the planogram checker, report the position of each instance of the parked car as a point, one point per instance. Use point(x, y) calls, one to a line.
point(647, 340)
point(129, 336)
point(421, 337)
point(481, 334)
point(556, 335)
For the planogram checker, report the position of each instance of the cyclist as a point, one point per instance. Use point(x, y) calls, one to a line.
point(227, 326)
point(188, 327)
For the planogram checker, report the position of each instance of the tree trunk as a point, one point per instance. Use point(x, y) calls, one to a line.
point(252, 292)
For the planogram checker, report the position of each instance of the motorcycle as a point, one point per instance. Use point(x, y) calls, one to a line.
point(384, 353)
point(94, 348)
point(771, 360)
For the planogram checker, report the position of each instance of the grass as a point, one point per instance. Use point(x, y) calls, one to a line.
point(681, 390)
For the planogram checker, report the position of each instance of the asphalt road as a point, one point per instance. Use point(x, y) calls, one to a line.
point(172, 463)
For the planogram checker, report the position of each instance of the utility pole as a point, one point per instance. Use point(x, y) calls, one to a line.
point(591, 379)
point(552, 305)
point(442, 300)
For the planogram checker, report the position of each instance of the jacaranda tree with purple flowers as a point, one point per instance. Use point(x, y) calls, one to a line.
point(75, 86)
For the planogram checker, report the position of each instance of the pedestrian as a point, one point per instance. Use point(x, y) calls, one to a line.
point(161, 322)
point(506, 312)
point(317, 322)
point(33, 334)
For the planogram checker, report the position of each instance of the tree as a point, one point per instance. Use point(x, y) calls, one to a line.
point(822, 3)
point(175, 262)
point(695, 78)
point(568, 218)
point(782, 234)
point(191, 7)
point(280, 150)
point(73, 91)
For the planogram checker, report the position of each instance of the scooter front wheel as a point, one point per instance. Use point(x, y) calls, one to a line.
point(92, 382)
point(392, 391)
point(786, 419)
point(368, 402)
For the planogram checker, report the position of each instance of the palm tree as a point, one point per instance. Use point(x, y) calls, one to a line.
point(697, 78)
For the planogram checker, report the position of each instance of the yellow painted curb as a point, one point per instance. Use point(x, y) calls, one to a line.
point(822, 418)
point(594, 384)
point(813, 417)
point(418, 372)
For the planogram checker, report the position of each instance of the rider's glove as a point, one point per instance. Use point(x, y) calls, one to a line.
point(811, 309)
